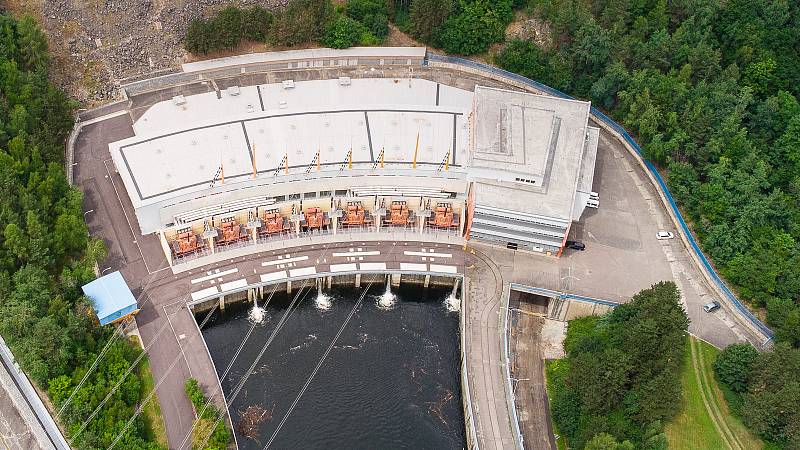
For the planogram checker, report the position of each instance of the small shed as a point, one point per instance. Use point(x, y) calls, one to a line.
point(111, 298)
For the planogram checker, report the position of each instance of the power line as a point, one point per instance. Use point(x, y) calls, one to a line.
point(111, 340)
point(239, 385)
point(128, 372)
point(316, 369)
point(118, 384)
point(230, 365)
point(160, 381)
point(106, 348)
point(252, 367)
point(144, 403)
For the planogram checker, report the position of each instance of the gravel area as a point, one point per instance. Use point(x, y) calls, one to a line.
point(97, 44)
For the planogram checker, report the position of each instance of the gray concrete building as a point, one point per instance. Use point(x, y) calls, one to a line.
point(532, 164)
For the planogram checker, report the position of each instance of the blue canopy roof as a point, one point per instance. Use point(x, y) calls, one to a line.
point(111, 297)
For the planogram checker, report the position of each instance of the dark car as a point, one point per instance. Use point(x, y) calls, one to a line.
point(576, 245)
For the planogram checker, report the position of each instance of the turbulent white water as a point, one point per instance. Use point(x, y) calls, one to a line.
point(256, 314)
point(387, 299)
point(322, 301)
point(452, 302)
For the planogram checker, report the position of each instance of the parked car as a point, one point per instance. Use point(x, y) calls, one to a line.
point(593, 203)
point(661, 235)
point(713, 306)
point(576, 245)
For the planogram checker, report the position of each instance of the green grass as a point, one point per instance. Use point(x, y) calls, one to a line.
point(694, 427)
point(155, 431)
point(561, 441)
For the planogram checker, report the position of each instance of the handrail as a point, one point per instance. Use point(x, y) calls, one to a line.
point(469, 419)
point(600, 116)
point(510, 398)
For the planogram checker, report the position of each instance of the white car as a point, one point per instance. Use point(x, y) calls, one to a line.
point(661, 235)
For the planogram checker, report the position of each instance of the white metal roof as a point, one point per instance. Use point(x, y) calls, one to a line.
point(179, 147)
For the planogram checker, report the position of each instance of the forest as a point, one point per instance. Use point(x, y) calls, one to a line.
point(46, 255)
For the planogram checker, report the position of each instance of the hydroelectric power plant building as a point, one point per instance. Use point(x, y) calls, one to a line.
point(246, 166)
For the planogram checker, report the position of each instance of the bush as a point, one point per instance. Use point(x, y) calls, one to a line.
point(478, 25)
point(578, 330)
point(227, 29)
point(733, 366)
point(199, 38)
point(373, 14)
point(425, 17)
point(605, 441)
point(228, 25)
point(256, 23)
point(195, 394)
point(301, 21)
point(209, 430)
point(344, 32)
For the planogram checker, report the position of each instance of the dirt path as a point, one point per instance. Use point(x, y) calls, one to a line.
point(709, 399)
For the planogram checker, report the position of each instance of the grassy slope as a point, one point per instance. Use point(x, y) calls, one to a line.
point(561, 441)
point(694, 427)
point(151, 413)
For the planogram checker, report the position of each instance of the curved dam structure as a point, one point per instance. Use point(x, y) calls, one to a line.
point(271, 171)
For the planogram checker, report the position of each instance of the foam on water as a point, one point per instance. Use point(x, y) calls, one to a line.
point(387, 299)
point(322, 301)
point(256, 314)
point(452, 302)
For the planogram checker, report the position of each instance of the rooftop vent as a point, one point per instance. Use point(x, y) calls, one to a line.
point(233, 91)
point(288, 84)
point(344, 81)
point(179, 100)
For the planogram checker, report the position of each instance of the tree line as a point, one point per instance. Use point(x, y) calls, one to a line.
point(763, 389)
point(46, 254)
point(620, 380)
point(357, 22)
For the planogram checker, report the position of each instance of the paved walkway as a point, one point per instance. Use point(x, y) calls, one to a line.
point(527, 371)
point(484, 352)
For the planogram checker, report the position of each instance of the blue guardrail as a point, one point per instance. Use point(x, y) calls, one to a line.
point(619, 129)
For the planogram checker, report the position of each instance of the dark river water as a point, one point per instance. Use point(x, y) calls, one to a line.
point(390, 381)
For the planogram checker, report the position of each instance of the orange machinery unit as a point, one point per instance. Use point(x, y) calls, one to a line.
point(398, 214)
point(315, 218)
point(274, 223)
point(355, 215)
point(186, 241)
point(443, 216)
point(230, 231)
